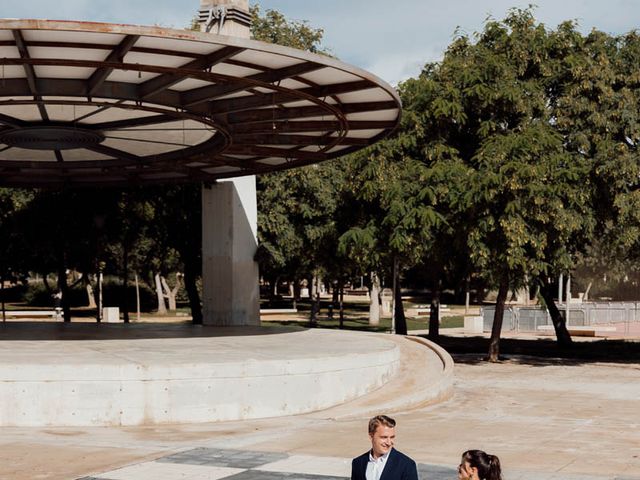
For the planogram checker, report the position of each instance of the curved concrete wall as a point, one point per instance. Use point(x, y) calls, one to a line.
point(138, 382)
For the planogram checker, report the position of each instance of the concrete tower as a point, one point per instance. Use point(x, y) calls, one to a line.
point(231, 293)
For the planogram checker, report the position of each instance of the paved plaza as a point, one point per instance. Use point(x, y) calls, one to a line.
point(215, 464)
point(545, 419)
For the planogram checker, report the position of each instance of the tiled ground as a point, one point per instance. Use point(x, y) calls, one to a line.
point(218, 464)
point(215, 464)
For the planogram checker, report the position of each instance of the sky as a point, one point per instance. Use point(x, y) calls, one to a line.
point(392, 39)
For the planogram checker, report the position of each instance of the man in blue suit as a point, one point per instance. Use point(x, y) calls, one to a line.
point(383, 462)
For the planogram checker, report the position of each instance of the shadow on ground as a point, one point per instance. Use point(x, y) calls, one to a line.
point(34, 331)
point(542, 352)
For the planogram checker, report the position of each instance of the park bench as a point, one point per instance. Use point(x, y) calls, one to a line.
point(421, 310)
point(357, 292)
point(580, 331)
point(277, 311)
point(56, 314)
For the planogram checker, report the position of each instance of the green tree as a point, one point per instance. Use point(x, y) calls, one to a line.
point(274, 27)
point(394, 199)
point(296, 208)
point(431, 137)
point(490, 114)
point(596, 108)
point(296, 223)
point(526, 194)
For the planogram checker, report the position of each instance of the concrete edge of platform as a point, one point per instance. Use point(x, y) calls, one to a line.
point(425, 377)
point(310, 378)
point(444, 389)
point(436, 380)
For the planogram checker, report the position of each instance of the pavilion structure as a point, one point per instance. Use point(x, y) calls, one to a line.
point(86, 105)
point(91, 104)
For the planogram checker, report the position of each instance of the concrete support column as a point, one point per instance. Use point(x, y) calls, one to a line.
point(231, 293)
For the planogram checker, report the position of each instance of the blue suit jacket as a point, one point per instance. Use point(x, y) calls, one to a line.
point(398, 467)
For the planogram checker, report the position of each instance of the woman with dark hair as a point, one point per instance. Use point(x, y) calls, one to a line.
point(478, 465)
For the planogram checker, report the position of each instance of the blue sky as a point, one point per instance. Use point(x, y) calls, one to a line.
point(393, 39)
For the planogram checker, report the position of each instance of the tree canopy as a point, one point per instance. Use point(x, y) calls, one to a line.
point(516, 161)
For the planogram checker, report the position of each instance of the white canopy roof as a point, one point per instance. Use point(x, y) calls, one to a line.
point(91, 103)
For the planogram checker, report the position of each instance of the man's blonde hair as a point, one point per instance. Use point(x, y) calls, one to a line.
point(378, 420)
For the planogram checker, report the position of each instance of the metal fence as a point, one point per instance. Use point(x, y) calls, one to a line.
point(528, 319)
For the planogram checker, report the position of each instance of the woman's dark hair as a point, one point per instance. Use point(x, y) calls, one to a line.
point(488, 465)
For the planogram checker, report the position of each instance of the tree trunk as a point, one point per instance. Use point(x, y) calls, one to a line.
point(162, 308)
point(100, 297)
point(137, 297)
point(496, 329)
point(91, 301)
point(374, 301)
point(76, 278)
point(434, 314)
point(191, 287)
point(314, 292)
point(125, 281)
point(467, 295)
point(4, 312)
point(311, 287)
point(401, 320)
point(64, 288)
point(296, 293)
point(559, 323)
point(586, 292)
point(168, 294)
point(341, 304)
point(171, 294)
point(47, 287)
point(335, 292)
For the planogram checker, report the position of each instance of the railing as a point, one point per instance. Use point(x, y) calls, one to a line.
point(528, 319)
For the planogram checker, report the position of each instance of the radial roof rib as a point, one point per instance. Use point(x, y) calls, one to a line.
point(231, 105)
point(236, 162)
point(11, 121)
point(151, 142)
point(275, 152)
point(114, 152)
point(310, 126)
point(30, 73)
point(132, 122)
point(273, 114)
point(304, 140)
point(98, 110)
point(117, 55)
point(204, 94)
point(158, 84)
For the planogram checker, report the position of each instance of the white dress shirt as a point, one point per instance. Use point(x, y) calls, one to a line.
point(376, 466)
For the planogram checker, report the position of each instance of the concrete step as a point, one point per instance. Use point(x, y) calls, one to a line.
point(425, 377)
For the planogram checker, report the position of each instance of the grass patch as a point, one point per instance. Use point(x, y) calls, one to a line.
point(362, 323)
point(356, 316)
point(454, 321)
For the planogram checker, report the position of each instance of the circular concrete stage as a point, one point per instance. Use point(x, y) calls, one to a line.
point(90, 374)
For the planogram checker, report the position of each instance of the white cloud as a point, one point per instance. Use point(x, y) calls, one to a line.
point(393, 39)
point(147, 12)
